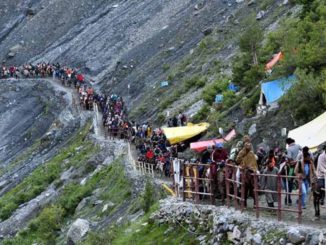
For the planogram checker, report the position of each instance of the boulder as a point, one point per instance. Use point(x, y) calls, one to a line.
point(66, 175)
point(236, 233)
point(15, 48)
point(257, 239)
point(82, 203)
point(207, 31)
point(201, 238)
point(285, 2)
point(251, 2)
point(78, 230)
point(30, 12)
point(3, 183)
point(294, 236)
point(260, 15)
point(11, 54)
point(97, 202)
point(282, 241)
point(253, 129)
point(107, 205)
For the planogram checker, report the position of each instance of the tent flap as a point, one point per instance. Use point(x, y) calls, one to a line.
point(311, 134)
point(179, 134)
point(274, 90)
point(277, 57)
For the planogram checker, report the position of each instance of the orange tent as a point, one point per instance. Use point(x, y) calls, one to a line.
point(272, 63)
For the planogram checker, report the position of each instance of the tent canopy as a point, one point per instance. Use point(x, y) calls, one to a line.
point(202, 145)
point(277, 57)
point(311, 134)
point(272, 91)
point(179, 134)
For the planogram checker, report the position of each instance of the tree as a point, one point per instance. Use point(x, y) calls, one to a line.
point(251, 41)
point(247, 71)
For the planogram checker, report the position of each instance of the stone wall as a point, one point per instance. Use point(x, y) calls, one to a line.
point(222, 225)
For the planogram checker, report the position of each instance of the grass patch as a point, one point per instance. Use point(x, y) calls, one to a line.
point(44, 175)
point(43, 229)
point(144, 231)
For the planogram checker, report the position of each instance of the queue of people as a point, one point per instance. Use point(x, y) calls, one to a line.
point(293, 163)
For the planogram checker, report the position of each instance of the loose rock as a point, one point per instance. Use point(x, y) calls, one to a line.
point(78, 230)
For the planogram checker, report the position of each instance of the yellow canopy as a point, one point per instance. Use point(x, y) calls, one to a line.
point(178, 134)
point(311, 134)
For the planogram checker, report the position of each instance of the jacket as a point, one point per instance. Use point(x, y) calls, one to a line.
point(247, 159)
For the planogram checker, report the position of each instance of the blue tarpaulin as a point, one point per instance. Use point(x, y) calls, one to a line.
point(233, 87)
point(274, 90)
point(164, 83)
point(219, 98)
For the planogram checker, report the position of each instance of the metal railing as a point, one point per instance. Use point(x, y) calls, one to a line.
point(196, 187)
point(237, 181)
point(145, 168)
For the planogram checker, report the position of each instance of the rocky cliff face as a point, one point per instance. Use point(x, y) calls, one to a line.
point(37, 117)
point(116, 42)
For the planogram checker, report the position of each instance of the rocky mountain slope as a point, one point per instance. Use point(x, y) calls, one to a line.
point(122, 42)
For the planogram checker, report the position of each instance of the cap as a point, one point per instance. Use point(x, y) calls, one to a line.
point(219, 145)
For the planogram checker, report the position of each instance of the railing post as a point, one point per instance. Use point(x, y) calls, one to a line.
point(242, 180)
point(227, 185)
point(143, 168)
point(174, 176)
point(256, 195)
point(235, 187)
point(152, 167)
point(184, 182)
point(211, 190)
point(195, 170)
point(300, 200)
point(279, 197)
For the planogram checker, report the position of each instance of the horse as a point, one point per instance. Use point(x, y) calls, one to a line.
point(318, 193)
point(248, 181)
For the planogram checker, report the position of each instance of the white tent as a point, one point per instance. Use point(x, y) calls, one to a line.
point(311, 134)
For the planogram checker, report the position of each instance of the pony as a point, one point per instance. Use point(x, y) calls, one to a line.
point(248, 182)
point(318, 194)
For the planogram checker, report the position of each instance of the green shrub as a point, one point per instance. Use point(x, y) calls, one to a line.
point(218, 86)
point(42, 230)
point(161, 118)
point(171, 77)
point(48, 223)
point(148, 197)
point(191, 82)
point(166, 67)
point(202, 114)
point(229, 98)
point(201, 82)
point(306, 99)
point(249, 105)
